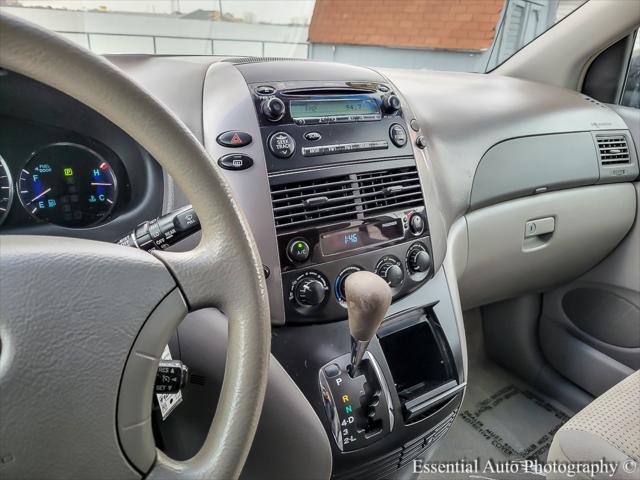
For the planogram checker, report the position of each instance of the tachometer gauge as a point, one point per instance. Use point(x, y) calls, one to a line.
point(68, 185)
point(6, 190)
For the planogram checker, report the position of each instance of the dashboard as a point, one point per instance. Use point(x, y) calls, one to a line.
point(434, 181)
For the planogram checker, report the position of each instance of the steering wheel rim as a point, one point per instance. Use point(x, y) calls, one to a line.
point(224, 271)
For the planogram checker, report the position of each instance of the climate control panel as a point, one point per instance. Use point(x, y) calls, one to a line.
point(316, 293)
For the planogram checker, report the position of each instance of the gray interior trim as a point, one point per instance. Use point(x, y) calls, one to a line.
point(432, 196)
point(134, 415)
point(176, 81)
point(589, 224)
point(585, 365)
point(620, 269)
point(228, 105)
point(460, 125)
point(517, 319)
point(453, 266)
point(522, 166)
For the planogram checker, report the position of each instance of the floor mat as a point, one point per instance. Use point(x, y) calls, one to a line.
point(519, 423)
point(501, 419)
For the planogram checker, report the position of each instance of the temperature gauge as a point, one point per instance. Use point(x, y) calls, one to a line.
point(68, 185)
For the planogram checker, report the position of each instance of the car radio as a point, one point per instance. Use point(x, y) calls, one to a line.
point(306, 124)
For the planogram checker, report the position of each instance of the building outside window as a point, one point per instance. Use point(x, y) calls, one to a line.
point(458, 35)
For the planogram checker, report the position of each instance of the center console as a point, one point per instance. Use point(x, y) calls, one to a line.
point(345, 191)
point(325, 161)
point(347, 196)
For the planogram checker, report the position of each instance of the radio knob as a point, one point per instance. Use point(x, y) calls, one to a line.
point(310, 292)
point(391, 103)
point(419, 260)
point(391, 273)
point(273, 109)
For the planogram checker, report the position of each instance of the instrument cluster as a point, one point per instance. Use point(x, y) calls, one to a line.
point(68, 184)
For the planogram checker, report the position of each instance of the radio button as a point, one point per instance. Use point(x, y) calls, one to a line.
point(282, 145)
point(398, 135)
point(274, 109)
point(391, 103)
point(312, 136)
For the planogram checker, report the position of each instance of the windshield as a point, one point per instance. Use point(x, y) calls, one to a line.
point(455, 35)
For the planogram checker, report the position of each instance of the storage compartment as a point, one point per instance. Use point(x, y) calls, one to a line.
point(506, 259)
point(420, 361)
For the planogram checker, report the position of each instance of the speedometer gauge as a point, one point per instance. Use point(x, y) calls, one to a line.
point(6, 190)
point(67, 184)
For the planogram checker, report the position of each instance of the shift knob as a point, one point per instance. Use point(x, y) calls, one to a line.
point(368, 298)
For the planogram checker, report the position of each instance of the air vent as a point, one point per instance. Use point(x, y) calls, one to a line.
point(613, 149)
point(314, 202)
point(389, 190)
point(349, 197)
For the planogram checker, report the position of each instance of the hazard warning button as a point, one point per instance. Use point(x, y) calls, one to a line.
point(234, 139)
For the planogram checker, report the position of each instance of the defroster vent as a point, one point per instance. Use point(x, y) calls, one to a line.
point(342, 198)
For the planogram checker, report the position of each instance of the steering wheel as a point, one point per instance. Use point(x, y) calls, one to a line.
point(83, 324)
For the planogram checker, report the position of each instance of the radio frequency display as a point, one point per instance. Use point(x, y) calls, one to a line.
point(333, 108)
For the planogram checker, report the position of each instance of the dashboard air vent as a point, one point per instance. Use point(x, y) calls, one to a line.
point(313, 202)
point(388, 190)
point(613, 149)
point(349, 197)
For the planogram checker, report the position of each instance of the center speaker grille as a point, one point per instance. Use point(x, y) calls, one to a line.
point(342, 198)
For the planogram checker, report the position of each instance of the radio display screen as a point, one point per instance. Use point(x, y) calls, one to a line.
point(332, 108)
point(361, 236)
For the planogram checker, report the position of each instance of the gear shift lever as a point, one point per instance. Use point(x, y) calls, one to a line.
point(368, 298)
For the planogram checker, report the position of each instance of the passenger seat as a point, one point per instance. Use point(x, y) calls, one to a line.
point(608, 428)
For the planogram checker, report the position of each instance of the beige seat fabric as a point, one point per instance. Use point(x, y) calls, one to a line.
point(608, 428)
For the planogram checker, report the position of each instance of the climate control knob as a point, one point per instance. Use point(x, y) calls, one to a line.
point(390, 270)
point(310, 292)
point(419, 259)
point(273, 109)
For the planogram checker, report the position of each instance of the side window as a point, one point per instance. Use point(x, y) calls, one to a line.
point(631, 91)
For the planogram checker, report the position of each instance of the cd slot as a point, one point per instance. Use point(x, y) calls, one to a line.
point(310, 92)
